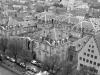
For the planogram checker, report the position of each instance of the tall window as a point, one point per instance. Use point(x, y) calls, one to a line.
point(87, 60)
point(83, 59)
point(89, 50)
point(95, 57)
point(92, 51)
point(80, 58)
point(94, 63)
point(28, 44)
point(90, 62)
point(84, 53)
point(71, 57)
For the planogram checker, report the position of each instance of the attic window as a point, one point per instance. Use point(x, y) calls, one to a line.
point(85, 42)
point(79, 45)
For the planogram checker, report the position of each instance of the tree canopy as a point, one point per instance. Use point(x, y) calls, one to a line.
point(14, 48)
point(3, 44)
point(54, 65)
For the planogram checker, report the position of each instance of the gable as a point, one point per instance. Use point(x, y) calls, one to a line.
point(90, 48)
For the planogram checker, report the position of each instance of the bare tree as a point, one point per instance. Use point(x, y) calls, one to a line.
point(14, 48)
point(3, 44)
point(26, 56)
point(53, 65)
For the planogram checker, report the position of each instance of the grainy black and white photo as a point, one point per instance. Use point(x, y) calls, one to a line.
point(49, 37)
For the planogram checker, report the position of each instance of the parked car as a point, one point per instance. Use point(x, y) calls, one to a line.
point(29, 73)
point(31, 69)
point(7, 57)
point(22, 65)
point(34, 70)
point(34, 62)
point(39, 65)
point(12, 59)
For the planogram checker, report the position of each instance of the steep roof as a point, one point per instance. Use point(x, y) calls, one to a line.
point(12, 21)
point(79, 44)
point(55, 34)
point(97, 40)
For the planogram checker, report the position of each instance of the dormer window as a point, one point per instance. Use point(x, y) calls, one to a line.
point(85, 42)
point(79, 45)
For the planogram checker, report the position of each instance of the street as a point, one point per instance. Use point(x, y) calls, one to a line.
point(4, 71)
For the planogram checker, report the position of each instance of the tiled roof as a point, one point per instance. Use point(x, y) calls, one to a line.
point(19, 19)
point(74, 20)
point(27, 23)
point(80, 12)
point(88, 25)
point(66, 20)
point(96, 14)
point(97, 40)
point(12, 21)
point(54, 34)
point(60, 17)
point(81, 42)
point(43, 13)
point(96, 23)
point(47, 17)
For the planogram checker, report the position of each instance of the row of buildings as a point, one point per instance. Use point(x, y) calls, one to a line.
point(71, 35)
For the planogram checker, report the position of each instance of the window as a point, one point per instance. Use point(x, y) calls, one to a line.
point(79, 45)
point(95, 57)
point(28, 45)
point(87, 60)
point(94, 63)
point(98, 64)
point(71, 57)
point(88, 55)
point(83, 59)
point(81, 65)
point(89, 50)
point(84, 53)
point(92, 46)
point(80, 58)
point(92, 51)
point(90, 62)
point(89, 45)
point(91, 56)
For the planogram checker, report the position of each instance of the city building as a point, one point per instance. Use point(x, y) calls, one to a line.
point(51, 42)
point(89, 54)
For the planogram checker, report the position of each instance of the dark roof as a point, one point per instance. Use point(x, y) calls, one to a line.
point(96, 14)
point(78, 12)
point(97, 40)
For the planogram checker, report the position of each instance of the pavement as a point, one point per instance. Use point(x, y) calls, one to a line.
point(13, 69)
point(5, 71)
